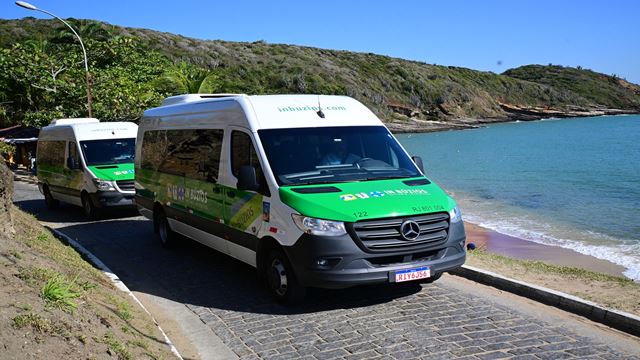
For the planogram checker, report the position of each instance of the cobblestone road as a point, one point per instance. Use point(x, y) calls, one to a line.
point(407, 321)
point(437, 322)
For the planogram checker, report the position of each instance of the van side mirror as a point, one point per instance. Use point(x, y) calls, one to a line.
point(71, 163)
point(247, 178)
point(418, 161)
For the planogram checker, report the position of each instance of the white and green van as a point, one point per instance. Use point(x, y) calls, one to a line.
point(313, 191)
point(87, 163)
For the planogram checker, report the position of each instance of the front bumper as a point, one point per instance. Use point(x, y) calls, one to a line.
point(109, 199)
point(349, 265)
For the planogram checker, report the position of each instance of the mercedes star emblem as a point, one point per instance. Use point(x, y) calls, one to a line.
point(410, 230)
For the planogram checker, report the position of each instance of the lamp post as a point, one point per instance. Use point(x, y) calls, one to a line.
point(28, 6)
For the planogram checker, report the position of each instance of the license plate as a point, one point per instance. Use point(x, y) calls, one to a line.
point(412, 274)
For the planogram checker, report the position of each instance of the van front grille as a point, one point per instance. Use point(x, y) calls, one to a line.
point(384, 235)
point(126, 185)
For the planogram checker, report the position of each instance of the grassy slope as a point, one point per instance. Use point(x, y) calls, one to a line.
point(615, 292)
point(394, 88)
point(601, 89)
point(436, 92)
point(56, 305)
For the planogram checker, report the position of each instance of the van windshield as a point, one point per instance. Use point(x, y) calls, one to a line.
point(335, 154)
point(108, 151)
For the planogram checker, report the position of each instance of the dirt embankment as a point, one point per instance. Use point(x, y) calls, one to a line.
point(6, 192)
point(55, 305)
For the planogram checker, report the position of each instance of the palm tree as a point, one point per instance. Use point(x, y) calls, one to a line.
point(185, 78)
point(39, 45)
point(87, 29)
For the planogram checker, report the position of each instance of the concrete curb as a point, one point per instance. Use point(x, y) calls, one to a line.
point(114, 278)
point(613, 318)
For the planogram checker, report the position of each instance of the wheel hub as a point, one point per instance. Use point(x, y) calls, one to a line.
point(162, 231)
point(86, 205)
point(278, 277)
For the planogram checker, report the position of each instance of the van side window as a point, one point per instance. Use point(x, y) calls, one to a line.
point(51, 153)
point(192, 153)
point(243, 153)
point(206, 146)
point(154, 149)
point(73, 154)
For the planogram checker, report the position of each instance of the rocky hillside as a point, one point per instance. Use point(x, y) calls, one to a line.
point(408, 95)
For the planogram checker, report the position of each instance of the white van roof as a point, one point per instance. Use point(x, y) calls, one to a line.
point(272, 111)
point(73, 121)
point(89, 130)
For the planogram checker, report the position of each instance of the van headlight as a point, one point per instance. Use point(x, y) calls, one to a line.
point(104, 185)
point(315, 226)
point(455, 215)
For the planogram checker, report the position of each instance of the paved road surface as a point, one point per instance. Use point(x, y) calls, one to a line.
point(452, 318)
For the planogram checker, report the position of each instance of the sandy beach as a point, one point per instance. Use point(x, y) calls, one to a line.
point(514, 247)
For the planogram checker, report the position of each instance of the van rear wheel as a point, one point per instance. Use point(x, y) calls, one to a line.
point(163, 231)
point(49, 200)
point(281, 280)
point(90, 210)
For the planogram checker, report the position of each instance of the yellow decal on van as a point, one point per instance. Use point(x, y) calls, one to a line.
point(248, 213)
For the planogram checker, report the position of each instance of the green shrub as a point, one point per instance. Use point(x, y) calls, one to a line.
point(60, 293)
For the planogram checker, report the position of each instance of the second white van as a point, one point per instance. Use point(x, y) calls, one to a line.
point(87, 163)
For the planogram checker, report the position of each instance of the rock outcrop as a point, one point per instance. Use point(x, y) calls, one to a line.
point(518, 112)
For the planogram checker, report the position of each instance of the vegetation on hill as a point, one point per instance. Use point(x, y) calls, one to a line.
point(41, 77)
point(601, 89)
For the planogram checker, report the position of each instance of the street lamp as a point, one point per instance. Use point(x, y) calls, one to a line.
point(28, 6)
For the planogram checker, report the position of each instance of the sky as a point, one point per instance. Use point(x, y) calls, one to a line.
point(488, 35)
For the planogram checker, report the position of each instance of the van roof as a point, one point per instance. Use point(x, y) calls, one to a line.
point(89, 130)
point(273, 111)
point(187, 98)
point(70, 121)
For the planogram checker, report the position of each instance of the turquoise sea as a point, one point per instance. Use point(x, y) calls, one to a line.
point(573, 183)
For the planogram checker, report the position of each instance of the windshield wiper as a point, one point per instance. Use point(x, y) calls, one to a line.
point(319, 182)
point(385, 177)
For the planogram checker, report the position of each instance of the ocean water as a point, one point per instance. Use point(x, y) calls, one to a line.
point(573, 183)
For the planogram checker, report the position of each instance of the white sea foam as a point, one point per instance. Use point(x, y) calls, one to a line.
point(549, 182)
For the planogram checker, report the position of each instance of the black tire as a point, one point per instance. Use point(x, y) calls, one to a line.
point(431, 279)
point(90, 210)
point(161, 227)
point(281, 279)
point(49, 200)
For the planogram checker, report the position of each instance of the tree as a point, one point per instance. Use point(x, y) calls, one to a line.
point(41, 81)
point(36, 82)
point(184, 78)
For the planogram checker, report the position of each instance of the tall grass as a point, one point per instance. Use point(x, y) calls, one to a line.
point(60, 293)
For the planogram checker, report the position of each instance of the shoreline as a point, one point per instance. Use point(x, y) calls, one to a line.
point(507, 245)
point(417, 126)
point(523, 249)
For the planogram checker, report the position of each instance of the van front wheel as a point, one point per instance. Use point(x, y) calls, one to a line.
point(49, 200)
point(163, 231)
point(90, 210)
point(281, 280)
